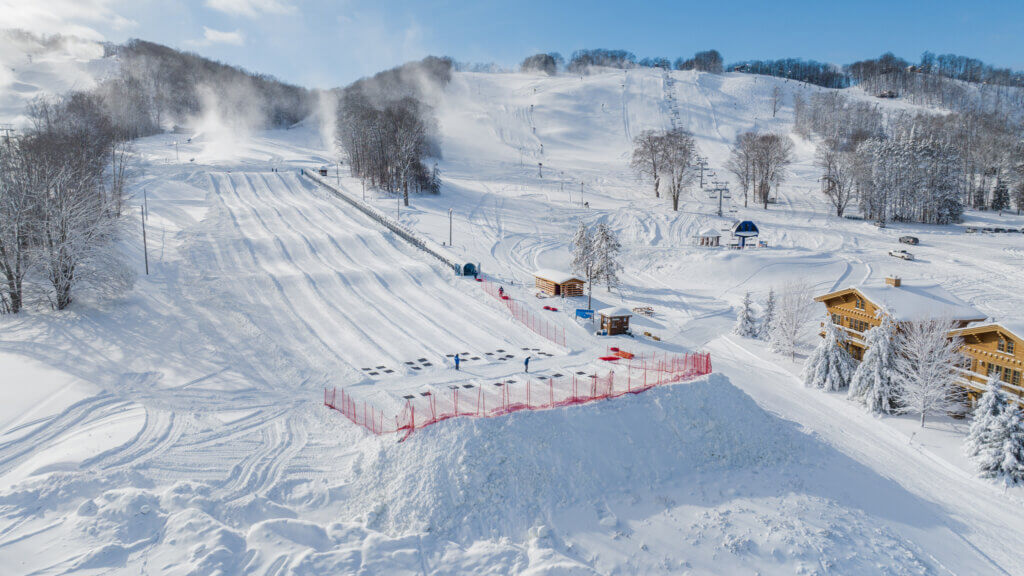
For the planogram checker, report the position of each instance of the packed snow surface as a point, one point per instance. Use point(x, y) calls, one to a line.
point(180, 430)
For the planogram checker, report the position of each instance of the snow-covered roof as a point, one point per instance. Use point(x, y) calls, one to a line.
point(615, 311)
point(709, 233)
point(1015, 327)
point(918, 300)
point(556, 276)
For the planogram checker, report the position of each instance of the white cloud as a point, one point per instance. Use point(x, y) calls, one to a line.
point(250, 8)
point(68, 17)
point(211, 37)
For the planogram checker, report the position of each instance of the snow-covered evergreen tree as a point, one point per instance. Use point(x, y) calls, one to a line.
point(830, 366)
point(746, 326)
point(769, 315)
point(1001, 196)
point(583, 261)
point(995, 442)
point(606, 250)
point(873, 384)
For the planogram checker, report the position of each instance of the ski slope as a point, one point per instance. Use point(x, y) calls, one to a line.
point(180, 430)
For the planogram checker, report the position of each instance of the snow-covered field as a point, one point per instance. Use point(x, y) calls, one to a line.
point(180, 429)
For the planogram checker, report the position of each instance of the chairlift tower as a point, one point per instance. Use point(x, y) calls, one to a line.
point(723, 192)
point(702, 164)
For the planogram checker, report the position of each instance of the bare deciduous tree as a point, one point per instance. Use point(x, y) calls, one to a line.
point(648, 152)
point(772, 156)
point(16, 215)
point(839, 174)
point(792, 312)
point(927, 366)
point(678, 159)
point(741, 162)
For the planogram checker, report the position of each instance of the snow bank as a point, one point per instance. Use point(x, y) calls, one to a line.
point(500, 475)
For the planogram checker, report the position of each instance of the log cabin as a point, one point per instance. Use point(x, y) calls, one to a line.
point(557, 283)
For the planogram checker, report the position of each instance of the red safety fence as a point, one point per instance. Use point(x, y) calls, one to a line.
point(504, 397)
point(520, 312)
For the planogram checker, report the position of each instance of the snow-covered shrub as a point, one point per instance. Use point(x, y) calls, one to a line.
point(830, 366)
point(995, 442)
point(873, 383)
point(746, 326)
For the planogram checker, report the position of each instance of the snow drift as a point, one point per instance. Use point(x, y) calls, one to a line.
point(502, 475)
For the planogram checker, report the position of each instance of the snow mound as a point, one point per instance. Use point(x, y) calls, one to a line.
point(501, 475)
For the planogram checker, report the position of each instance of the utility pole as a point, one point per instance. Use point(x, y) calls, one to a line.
point(363, 180)
point(338, 168)
point(145, 203)
point(450, 226)
point(581, 192)
point(145, 248)
point(176, 157)
point(540, 169)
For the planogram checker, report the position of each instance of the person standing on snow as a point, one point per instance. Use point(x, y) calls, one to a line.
point(501, 291)
point(526, 364)
point(456, 361)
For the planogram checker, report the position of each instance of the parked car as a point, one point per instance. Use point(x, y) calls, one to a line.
point(1013, 231)
point(901, 254)
point(910, 240)
point(987, 230)
point(970, 230)
point(999, 230)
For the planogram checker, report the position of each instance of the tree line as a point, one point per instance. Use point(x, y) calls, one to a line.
point(582, 60)
point(912, 166)
point(62, 193)
point(157, 88)
point(387, 128)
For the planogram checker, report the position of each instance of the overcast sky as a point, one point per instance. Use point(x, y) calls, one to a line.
point(326, 43)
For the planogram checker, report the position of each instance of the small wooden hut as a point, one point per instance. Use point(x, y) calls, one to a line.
point(615, 320)
point(556, 283)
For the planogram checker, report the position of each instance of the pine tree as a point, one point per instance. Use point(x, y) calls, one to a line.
point(745, 324)
point(1012, 466)
point(769, 315)
point(830, 366)
point(873, 384)
point(583, 262)
point(995, 442)
point(1001, 196)
point(606, 250)
point(983, 442)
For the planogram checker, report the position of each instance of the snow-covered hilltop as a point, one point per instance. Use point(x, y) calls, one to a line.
point(179, 429)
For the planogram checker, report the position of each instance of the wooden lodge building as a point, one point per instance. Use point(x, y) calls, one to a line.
point(989, 349)
point(557, 283)
point(993, 349)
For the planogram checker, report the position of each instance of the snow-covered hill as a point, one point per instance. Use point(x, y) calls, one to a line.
point(31, 67)
point(180, 430)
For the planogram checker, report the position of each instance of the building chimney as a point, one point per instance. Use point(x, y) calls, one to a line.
point(893, 281)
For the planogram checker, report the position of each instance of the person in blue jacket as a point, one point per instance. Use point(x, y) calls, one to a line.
point(526, 364)
point(456, 361)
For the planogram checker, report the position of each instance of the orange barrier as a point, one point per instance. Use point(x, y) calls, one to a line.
point(520, 312)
